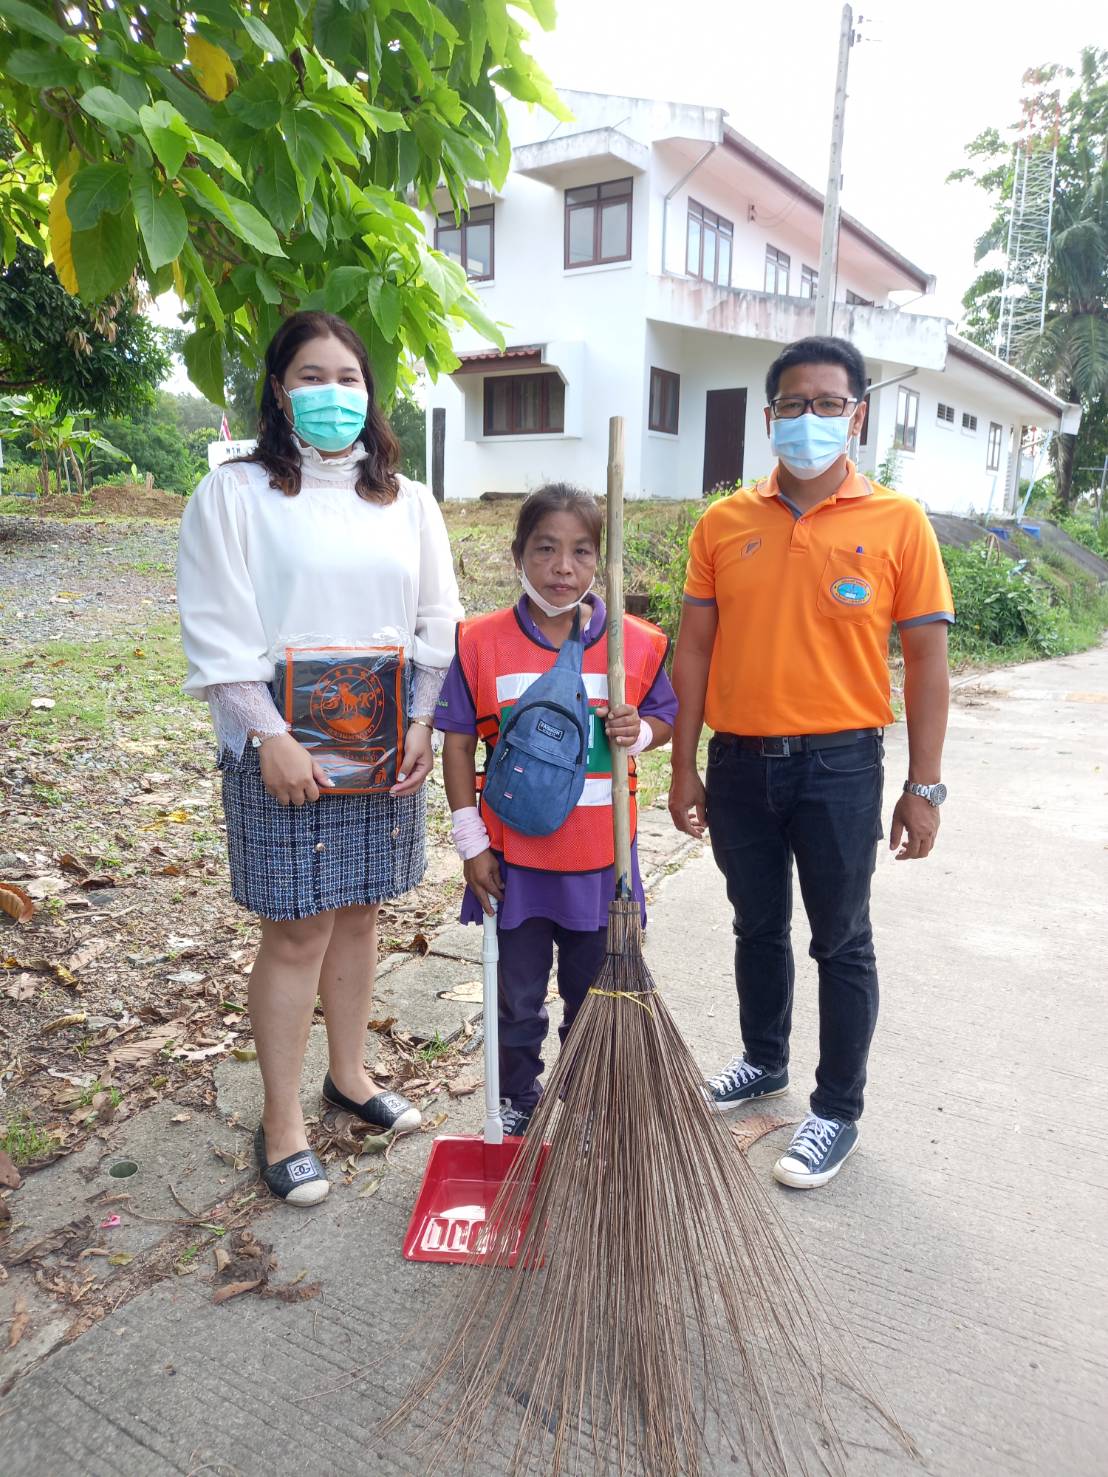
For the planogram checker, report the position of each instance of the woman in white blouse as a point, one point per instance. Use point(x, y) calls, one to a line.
point(314, 535)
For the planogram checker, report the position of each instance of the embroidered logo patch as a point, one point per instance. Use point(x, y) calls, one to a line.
point(557, 734)
point(751, 547)
point(851, 591)
point(301, 1169)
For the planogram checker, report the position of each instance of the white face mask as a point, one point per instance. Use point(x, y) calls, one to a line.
point(545, 605)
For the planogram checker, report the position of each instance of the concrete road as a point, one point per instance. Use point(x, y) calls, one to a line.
point(964, 1243)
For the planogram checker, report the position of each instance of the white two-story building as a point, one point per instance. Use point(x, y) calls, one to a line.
point(648, 261)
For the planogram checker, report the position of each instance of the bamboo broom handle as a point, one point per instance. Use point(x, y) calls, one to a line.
point(617, 680)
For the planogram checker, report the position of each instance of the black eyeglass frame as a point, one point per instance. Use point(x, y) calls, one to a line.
point(841, 400)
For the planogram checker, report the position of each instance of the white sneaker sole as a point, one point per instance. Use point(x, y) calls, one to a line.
point(742, 1102)
point(798, 1181)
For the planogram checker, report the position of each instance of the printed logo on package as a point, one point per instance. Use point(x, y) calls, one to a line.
point(851, 591)
point(347, 703)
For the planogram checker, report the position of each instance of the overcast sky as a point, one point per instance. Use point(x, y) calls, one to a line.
point(924, 81)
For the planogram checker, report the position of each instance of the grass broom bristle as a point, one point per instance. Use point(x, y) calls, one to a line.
point(643, 1309)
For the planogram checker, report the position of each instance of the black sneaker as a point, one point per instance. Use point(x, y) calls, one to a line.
point(515, 1120)
point(820, 1148)
point(741, 1081)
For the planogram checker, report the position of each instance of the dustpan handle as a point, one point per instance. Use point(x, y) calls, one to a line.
point(490, 958)
point(617, 679)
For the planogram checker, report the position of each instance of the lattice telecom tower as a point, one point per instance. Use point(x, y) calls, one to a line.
point(1026, 269)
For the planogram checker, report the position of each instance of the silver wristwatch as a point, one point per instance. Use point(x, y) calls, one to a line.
point(933, 794)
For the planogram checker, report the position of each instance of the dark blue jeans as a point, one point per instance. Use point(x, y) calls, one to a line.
point(824, 810)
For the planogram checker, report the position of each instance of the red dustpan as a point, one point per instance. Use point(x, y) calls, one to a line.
point(465, 1171)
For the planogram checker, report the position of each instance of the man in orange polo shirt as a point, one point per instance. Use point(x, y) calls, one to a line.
point(793, 588)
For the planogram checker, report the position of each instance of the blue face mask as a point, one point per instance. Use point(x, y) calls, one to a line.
point(328, 417)
point(808, 444)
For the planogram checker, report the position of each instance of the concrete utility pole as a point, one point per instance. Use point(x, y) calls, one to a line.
point(829, 241)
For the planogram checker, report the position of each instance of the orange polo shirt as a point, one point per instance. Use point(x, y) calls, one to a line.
point(806, 604)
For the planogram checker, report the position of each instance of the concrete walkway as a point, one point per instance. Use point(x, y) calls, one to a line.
point(965, 1242)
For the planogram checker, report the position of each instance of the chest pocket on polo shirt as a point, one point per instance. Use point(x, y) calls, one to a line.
point(851, 586)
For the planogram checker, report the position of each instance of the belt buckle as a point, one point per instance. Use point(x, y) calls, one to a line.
point(776, 748)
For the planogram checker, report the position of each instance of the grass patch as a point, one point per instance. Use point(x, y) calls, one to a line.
point(98, 686)
point(23, 1141)
point(432, 1050)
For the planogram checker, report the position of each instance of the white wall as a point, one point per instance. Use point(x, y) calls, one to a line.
point(947, 472)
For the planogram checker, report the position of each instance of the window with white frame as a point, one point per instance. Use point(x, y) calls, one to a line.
point(809, 281)
point(468, 240)
point(996, 435)
point(945, 414)
point(969, 423)
point(777, 272)
point(907, 419)
point(708, 243)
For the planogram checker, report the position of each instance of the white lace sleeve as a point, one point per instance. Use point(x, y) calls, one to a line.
point(242, 708)
point(425, 689)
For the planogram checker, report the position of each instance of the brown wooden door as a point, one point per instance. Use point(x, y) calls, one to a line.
point(724, 438)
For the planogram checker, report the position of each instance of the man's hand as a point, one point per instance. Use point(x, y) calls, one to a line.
point(687, 803)
point(289, 772)
point(916, 822)
point(482, 872)
point(417, 761)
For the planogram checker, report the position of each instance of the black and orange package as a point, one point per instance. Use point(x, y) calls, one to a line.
point(346, 705)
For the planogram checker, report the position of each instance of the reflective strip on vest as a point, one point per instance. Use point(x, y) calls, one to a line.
point(515, 684)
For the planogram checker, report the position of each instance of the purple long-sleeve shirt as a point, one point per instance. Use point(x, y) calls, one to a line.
point(577, 900)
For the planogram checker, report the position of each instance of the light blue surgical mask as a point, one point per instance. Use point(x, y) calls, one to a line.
point(328, 417)
point(808, 444)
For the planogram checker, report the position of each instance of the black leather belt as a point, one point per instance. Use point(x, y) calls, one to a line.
point(804, 743)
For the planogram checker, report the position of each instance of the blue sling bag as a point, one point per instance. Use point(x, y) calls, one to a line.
point(536, 773)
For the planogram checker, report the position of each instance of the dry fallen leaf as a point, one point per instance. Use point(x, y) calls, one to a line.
point(131, 1053)
point(69, 863)
point(78, 1018)
point(462, 1086)
point(83, 957)
point(234, 1289)
point(244, 1054)
point(181, 1118)
point(9, 1175)
point(21, 988)
point(19, 1322)
point(222, 1259)
point(420, 944)
point(121, 1258)
point(17, 903)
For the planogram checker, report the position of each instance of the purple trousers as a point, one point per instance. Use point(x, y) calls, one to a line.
point(526, 959)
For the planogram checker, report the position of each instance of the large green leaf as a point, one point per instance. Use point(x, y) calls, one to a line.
point(262, 36)
point(386, 306)
point(105, 257)
point(92, 191)
point(169, 135)
point(240, 217)
point(27, 18)
point(211, 149)
point(276, 185)
point(161, 218)
point(344, 284)
point(40, 69)
point(203, 358)
point(304, 146)
point(108, 107)
point(257, 103)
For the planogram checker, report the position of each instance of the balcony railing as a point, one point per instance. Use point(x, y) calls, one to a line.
point(887, 334)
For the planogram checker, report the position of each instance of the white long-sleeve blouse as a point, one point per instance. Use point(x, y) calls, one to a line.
point(256, 567)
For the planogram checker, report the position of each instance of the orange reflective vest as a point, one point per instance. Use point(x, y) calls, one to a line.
point(499, 661)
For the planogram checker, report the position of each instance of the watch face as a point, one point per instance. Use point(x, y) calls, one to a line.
point(938, 794)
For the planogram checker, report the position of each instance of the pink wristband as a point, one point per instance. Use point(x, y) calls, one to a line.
point(645, 738)
point(468, 829)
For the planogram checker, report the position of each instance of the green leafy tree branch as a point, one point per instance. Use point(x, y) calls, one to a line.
point(263, 157)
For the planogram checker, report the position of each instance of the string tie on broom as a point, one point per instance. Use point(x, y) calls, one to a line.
point(623, 995)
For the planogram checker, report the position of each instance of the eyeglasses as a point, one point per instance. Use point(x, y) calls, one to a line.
point(788, 407)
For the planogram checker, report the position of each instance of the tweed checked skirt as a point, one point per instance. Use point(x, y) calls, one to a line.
point(342, 851)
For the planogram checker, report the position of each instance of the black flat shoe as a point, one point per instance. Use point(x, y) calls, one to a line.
point(385, 1110)
point(300, 1179)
